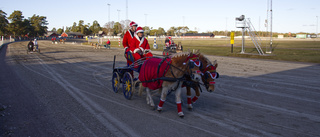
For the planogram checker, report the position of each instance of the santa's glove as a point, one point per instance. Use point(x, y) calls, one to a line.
point(147, 51)
point(138, 50)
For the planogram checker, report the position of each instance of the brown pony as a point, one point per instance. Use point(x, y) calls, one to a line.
point(208, 76)
point(181, 64)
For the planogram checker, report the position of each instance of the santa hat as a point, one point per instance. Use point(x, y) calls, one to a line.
point(133, 24)
point(139, 29)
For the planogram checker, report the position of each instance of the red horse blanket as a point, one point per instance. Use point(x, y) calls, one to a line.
point(149, 69)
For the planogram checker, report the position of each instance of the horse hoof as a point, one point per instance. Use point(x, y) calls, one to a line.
point(159, 109)
point(190, 109)
point(181, 115)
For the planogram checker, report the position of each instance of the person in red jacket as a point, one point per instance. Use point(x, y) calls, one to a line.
point(139, 46)
point(127, 39)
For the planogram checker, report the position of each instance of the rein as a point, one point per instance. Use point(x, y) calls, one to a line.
point(174, 79)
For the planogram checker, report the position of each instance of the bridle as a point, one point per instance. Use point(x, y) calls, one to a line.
point(210, 71)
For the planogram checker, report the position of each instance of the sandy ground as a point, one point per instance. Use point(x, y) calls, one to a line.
point(66, 91)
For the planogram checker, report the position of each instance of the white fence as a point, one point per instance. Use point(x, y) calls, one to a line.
point(4, 42)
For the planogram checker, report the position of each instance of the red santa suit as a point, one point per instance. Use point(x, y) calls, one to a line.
point(140, 48)
point(127, 38)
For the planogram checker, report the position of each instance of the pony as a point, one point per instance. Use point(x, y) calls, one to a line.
point(177, 67)
point(208, 76)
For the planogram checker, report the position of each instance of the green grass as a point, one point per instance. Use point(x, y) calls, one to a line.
point(307, 50)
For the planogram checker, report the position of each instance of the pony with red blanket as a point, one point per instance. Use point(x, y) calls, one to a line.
point(169, 74)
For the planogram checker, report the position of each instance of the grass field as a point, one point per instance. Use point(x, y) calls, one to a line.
point(306, 50)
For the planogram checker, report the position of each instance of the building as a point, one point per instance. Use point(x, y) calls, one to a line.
point(301, 36)
point(72, 35)
point(197, 35)
point(51, 34)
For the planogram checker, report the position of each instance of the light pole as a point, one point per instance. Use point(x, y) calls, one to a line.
point(109, 12)
point(119, 15)
point(183, 20)
point(146, 18)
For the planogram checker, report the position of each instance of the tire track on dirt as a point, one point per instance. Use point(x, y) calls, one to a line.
point(106, 118)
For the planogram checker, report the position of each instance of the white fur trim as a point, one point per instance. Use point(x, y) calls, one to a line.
point(141, 41)
point(130, 33)
point(136, 50)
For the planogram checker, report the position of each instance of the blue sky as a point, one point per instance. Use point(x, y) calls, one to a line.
point(202, 15)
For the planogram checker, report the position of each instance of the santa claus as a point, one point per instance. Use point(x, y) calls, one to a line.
point(139, 46)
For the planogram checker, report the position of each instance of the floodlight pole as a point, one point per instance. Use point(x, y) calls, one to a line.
point(146, 18)
point(118, 15)
point(109, 12)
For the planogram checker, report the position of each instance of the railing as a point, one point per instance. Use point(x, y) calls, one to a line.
point(254, 37)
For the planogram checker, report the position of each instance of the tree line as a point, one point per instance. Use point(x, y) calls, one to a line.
point(19, 26)
point(36, 26)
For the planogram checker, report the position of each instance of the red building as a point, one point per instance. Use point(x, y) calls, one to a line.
point(72, 34)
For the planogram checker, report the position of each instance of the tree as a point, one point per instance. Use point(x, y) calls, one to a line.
point(16, 25)
point(68, 29)
point(153, 32)
point(108, 28)
point(171, 31)
point(39, 23)
point(146, 30)
point(74, 27)
point(161, 31)
point(60, 31)
point(117, 28)
point(54, 29)
point(28, 29)
point(95, 28)
point(3, 23)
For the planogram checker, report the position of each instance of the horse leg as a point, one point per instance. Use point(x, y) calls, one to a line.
point(141, 88)
point(195, 98)
point(149, 98)
point(163, 97)
point(189, 98)
point(178, 101)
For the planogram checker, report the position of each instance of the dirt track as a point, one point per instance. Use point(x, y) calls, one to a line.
point(66, 91)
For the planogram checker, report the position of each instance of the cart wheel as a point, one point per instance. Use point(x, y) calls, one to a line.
point(115, 82)
point(127, 85)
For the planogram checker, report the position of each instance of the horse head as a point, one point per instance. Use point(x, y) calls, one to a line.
point(194, 66)
point(209, 73)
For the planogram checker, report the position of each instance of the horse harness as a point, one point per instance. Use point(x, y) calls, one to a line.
point(183, 78)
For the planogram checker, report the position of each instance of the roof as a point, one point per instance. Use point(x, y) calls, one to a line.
point(101, 32)
point(198, 34)
point(74, 33)
point(49, 33)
